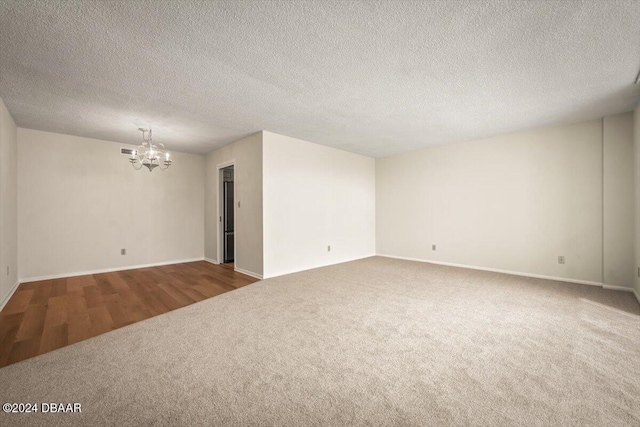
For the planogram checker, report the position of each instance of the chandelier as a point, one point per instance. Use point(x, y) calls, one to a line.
point(149, 154)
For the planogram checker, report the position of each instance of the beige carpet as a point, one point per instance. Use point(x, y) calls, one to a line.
point(377, 342)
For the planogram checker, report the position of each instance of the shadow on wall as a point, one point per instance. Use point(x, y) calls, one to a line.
point(606, 104)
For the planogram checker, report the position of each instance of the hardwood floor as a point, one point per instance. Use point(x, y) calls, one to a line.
point(46, 315)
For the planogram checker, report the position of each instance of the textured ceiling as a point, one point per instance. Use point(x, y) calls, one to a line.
point(373, 77)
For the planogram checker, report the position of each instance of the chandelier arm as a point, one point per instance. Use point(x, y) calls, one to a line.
point(133, 163)
point(164, 163)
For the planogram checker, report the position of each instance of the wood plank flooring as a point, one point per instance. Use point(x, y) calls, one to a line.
point(46, 315)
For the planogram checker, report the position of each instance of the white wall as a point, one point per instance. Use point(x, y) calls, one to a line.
point(315, 196)
point(513, 202)
point(81, 202)
point(247, 156)
point(8, 204)
point(618, 201)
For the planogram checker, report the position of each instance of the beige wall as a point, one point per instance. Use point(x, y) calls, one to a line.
point(81, 202)
point(247, 156)
point(513, 202)
point(618, 201)
point(636, 143)
point(315, 197)
point(8, 204)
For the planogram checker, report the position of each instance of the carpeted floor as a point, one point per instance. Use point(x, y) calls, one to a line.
point(378, 342)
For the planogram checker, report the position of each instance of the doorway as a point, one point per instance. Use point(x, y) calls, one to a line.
point(227, 217)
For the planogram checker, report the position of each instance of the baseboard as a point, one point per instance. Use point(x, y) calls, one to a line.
point(239, 270)
point(617, 288)
point(636, 295)
point(298, 270)
point(106, 270)
point(6, 299)
point(248, 273)
point(495, 270)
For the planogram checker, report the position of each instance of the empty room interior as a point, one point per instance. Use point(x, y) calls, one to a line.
point(320, 213)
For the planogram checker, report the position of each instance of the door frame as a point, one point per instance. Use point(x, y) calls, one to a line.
point(220, 206)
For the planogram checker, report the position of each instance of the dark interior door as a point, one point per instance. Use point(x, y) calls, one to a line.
point(229, 222)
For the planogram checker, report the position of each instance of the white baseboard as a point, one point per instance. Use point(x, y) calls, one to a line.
point(617, 288)
point(495, 270)
point(106, 270)
point(239, 270)
point(6, 299)
point(298, 270)
point(248, 273)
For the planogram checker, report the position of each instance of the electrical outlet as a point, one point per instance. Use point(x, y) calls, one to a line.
point(123, 251)
point(433, 247)
point(329, 248)
point(561, 259)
